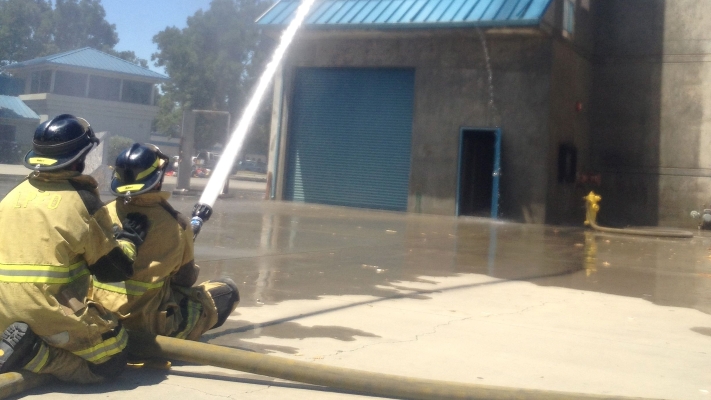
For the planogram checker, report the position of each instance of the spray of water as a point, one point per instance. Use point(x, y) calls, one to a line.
point(493, 112)
point(227, 159)
point(493, 118)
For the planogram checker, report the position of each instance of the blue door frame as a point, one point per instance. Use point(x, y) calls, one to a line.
point(496, 167)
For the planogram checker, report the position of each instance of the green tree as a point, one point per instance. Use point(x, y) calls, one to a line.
point(82, 23)
point(213, 62)
point(129, 56)
point(170, 117)
point(25, 29)
point(35, 28)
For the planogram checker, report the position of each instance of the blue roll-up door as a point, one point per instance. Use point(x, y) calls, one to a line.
point(349, 137)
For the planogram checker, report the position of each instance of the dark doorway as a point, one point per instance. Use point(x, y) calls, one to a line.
point(478, 173)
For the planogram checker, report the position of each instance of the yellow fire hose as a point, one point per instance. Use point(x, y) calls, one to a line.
point(336, 377)
point(592, 207)
point(13, 383)
point(368, 383)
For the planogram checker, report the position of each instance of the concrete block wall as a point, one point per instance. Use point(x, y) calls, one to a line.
point(685, 118)
point(571, 81)
point(570, 110)
point(651, 130)
point(451, 92)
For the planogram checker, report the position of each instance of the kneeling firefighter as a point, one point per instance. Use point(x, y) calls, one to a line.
point(160, 297)
point(56, 233)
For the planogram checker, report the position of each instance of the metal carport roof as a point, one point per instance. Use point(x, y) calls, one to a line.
point(404, 14)
point(91, 59)
point(14, 108)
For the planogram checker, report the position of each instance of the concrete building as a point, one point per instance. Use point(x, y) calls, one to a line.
point(651, 109)
point(485, 102)
point(114, 95)
point(509, 108)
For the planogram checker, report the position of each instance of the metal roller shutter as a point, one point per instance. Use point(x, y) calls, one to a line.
point(349, 137)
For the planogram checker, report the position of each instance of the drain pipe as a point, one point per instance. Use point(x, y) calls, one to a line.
point(369, 383)
point(592, 207)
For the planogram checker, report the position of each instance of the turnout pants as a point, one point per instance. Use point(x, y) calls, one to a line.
point(81, 341)
point(187, 313)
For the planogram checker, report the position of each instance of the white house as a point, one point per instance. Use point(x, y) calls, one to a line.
point(114, 95)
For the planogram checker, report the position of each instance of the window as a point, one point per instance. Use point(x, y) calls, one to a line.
point(41, 80)
point(136, 92)
point(70, 83)
point(103, 88)
point(11, 86)
point(568, 18)
point(567, 163)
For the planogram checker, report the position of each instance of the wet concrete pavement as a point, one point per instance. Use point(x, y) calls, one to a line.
point(459, 299)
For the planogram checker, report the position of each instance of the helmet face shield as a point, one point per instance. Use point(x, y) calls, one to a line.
point(138, 169)
point(59, 143)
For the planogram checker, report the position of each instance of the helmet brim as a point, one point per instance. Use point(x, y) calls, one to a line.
point(53, 163)
point(132, 189)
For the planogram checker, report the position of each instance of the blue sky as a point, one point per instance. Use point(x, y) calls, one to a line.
point(137, 21)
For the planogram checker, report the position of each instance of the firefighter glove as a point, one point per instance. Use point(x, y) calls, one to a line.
point(134, 229)
point(115, 266)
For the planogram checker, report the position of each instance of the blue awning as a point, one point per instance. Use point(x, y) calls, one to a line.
point(13, 108)
point(91, 59)
point(403, 14)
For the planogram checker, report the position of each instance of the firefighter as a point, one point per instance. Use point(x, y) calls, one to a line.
point(160, 298)
point(57, 234)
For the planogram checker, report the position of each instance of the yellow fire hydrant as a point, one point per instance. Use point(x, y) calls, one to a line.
point(591, 208)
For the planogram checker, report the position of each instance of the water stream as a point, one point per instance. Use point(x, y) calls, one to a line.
point(493, 113)
point(224, 165)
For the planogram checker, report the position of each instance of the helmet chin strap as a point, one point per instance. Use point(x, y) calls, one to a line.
point(127, 198)
point(79, 166)
point(36, 171)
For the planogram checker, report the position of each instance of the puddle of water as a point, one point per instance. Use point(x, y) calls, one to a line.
point(282, 251)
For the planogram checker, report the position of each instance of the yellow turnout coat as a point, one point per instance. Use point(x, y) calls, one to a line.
point(159, 298)
point(53, 229)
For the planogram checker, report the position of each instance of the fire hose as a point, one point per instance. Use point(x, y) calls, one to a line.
point(361, 382)
point(592, 208)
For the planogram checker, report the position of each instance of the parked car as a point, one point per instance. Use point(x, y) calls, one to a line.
point(207, 159)
point(172, 168)
point(252, 165)
point(201, 172)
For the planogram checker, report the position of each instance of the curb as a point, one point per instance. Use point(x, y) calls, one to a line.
point(248, 179)
point(12, 178)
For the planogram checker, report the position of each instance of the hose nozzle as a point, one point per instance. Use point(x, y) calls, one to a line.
point(201, 213)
